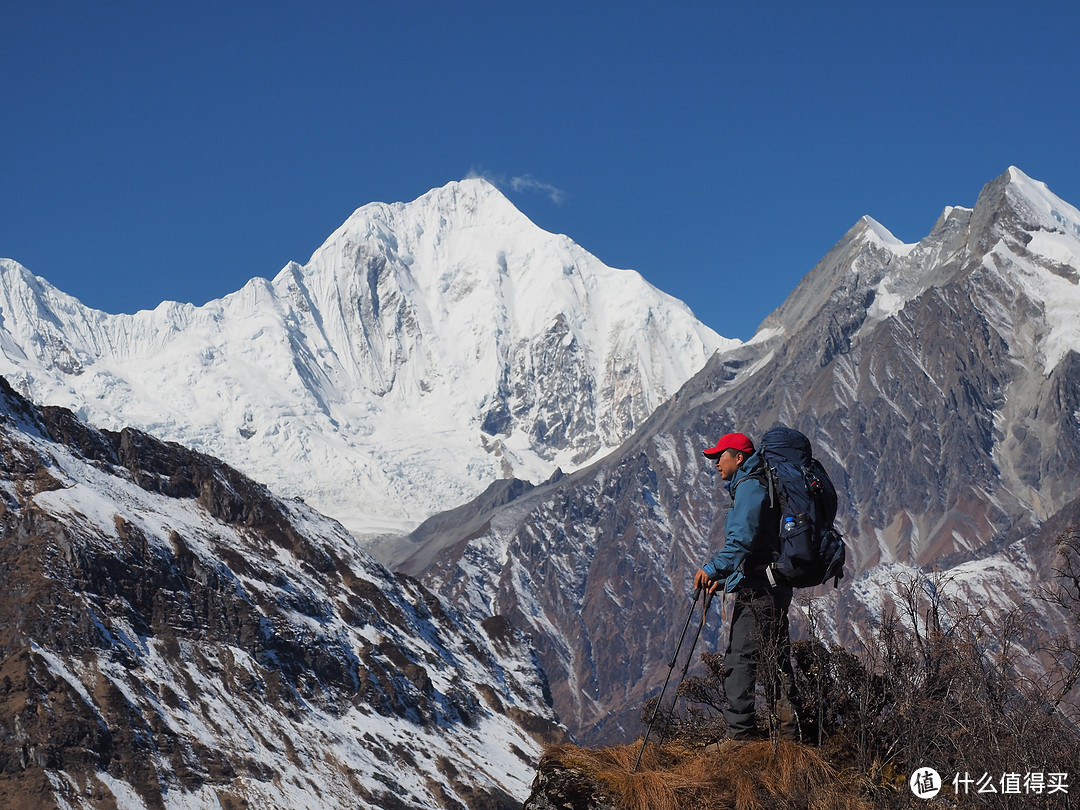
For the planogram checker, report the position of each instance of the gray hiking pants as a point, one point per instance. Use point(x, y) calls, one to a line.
point(759, 641)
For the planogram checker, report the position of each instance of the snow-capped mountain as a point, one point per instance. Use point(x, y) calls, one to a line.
point(174, 636)
point(939, 383)
point(424, 351)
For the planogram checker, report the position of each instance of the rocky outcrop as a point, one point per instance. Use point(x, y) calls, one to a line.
point(170, 630)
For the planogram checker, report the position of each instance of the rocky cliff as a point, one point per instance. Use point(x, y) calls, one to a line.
point(172, 635)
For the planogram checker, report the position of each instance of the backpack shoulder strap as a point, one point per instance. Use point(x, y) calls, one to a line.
point(765, 476)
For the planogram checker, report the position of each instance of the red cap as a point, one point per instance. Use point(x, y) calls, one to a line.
point(731, 441)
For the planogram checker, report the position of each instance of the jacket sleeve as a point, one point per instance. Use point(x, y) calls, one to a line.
point(741, 527)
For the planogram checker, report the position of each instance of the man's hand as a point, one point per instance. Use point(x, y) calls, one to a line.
point(702, 582)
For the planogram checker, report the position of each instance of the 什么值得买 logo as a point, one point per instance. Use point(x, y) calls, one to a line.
point(925, 783)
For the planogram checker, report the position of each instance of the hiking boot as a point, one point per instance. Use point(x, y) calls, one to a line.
point(786, 721)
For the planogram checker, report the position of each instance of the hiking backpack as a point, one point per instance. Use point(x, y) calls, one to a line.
point(811, 549)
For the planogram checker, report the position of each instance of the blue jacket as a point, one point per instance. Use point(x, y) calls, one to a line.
point(751, 531)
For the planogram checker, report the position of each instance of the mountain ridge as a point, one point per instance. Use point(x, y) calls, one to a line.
point(395, 374)
point(937, 381)
point(923, 377)
point(176, 636)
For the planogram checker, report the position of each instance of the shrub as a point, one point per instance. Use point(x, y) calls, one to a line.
point(934, 683)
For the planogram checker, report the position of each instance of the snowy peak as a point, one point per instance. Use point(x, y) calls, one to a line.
point(857, 261)
point(459, 204)
point(884, 236)
point(1014, 217)
point(412, 230)
point(426, 349)
point(1043, 209)
point(1033, 257)
point(1013, 205)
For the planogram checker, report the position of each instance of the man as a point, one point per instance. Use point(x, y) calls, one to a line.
point(758, 633)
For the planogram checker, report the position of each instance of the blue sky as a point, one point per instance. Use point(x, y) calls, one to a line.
point(154, 151)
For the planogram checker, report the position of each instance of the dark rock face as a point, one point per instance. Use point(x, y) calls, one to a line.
point(169, 627)
point(925, 381)
point(558, 787)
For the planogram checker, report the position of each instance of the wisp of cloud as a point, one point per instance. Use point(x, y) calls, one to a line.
point(525, 182)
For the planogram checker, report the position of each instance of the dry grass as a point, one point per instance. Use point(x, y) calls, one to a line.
point(935, 682)
point(727, 776)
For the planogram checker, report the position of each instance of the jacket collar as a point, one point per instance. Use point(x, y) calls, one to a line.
point(750, 467)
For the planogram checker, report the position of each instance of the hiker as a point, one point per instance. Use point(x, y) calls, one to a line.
point(758, 633)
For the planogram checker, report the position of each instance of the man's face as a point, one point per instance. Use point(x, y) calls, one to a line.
point(728, 463)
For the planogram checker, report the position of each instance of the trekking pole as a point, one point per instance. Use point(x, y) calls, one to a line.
point(671, 668)
point(686, 664)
